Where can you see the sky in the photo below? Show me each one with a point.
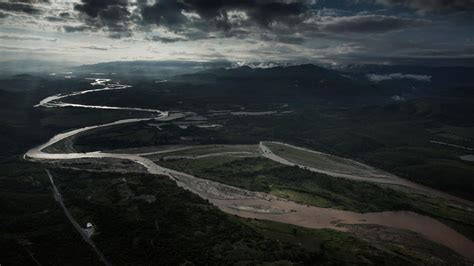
(333, 32)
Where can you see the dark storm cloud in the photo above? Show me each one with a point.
(93, 8)
(166, 13)
(335, 30)
(279, 20)
(54, 19)
(76, 28)
(431, 5)
(283, 38)
(211, 16)
(64, 15)
(285, 21)
(111, 15)
(169, 12)
(165, 39)
(262, 13)
(371, 24)
(19, 7)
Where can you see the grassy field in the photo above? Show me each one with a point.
(356, 247)
(320, 190)
(260, 174)
(178, 227)
(396, 141)
(200, 150)
(318, 160)
(175, 226)
(172, 227)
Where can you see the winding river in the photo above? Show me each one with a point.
(245, 203)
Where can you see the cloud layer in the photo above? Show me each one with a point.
(432, 5)
(330, 31)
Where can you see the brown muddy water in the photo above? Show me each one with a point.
(314, 217)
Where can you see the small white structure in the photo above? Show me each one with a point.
(89, 230)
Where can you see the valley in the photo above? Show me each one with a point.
(250, 173)
(243, 133)
(259, 205)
